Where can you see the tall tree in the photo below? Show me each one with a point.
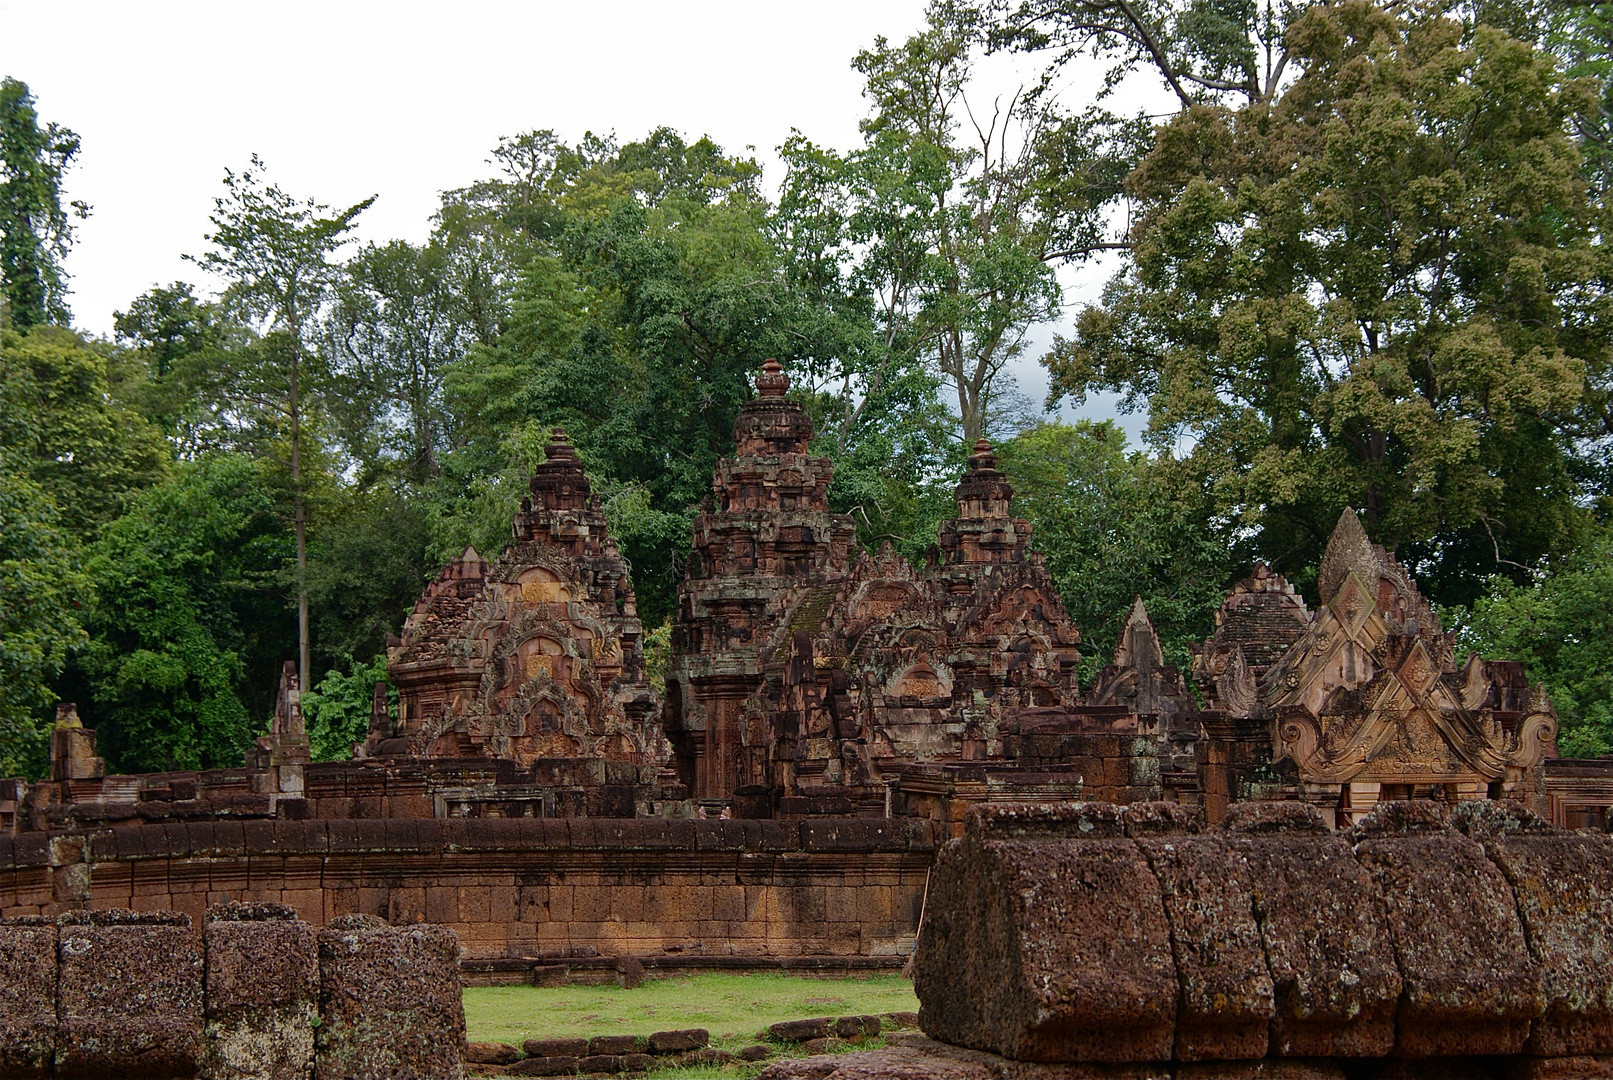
(44, 595)
(1229, 51)
(951, 218)
(1113, 524)
(397, 324)
(277, 254)
(36, 230)
(1359, 295)
(70, 412)
(183, 631)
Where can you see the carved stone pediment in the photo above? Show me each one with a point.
(1370, 692)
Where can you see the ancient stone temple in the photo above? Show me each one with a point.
(798, 672)
(1365, 702)
(765, 540)
(538, 655)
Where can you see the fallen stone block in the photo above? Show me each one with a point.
(677, 1042)
(637, 1063)
(1563, 883)
(262, 998)
(555, 1047)
(600, 1063)
(1226, 992)
(1471, 988)
(755, 1052)
(830, 1045)
(129, 994)
(27, 997)
(613, 1044)
(1043, 940)
(389, 1003)
(491, 1053)
(1334, 980)
(800, 1031)
(852, 1028)
(899, 1020)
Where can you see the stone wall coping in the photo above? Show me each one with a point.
(429, 836)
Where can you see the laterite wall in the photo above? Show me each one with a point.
(515, 887)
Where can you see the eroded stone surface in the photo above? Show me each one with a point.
(1047, 949)
(130, 995)
(1563, 883)
(1471, 988)
(27, 998)
(1331, 960)
(1226, 990)
(389, 1002)
(262, 994)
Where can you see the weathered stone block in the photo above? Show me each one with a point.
(1226, 992)
(572, 1048)
(129, 995)
(1471, 988)
(675, 1042)
(613, 1044)
(1563, 883)
(1331, 960)
(389, 1001)
(491, 1053)
(1045, 948)
(27, 997)
(262, 996)
(800, 1031)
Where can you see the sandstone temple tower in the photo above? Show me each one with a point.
(766, 539)
(803, 679)
(537, 655)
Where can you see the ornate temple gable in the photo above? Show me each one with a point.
(1139, 678)
(538, 655)
(1261, 618)
(1370, 693)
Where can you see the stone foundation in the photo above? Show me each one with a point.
(516, 887)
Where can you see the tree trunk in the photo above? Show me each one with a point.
(299, 515)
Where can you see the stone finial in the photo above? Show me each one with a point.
(1139, 642)
(288, 718)
(67, 715)
(1347, 549)
(559, 447)
(772, 382)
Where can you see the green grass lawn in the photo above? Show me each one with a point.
(733, 1007)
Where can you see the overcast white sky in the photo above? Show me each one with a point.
(403, 100)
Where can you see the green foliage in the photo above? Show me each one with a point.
(68, 412)
(43, 593)
(1112, 526)
(1203, 50)
(35, 229)
(337, 711)
(185, 580)
(657, 652)
(1360, 295)
(366, 568)
(1561, 627)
